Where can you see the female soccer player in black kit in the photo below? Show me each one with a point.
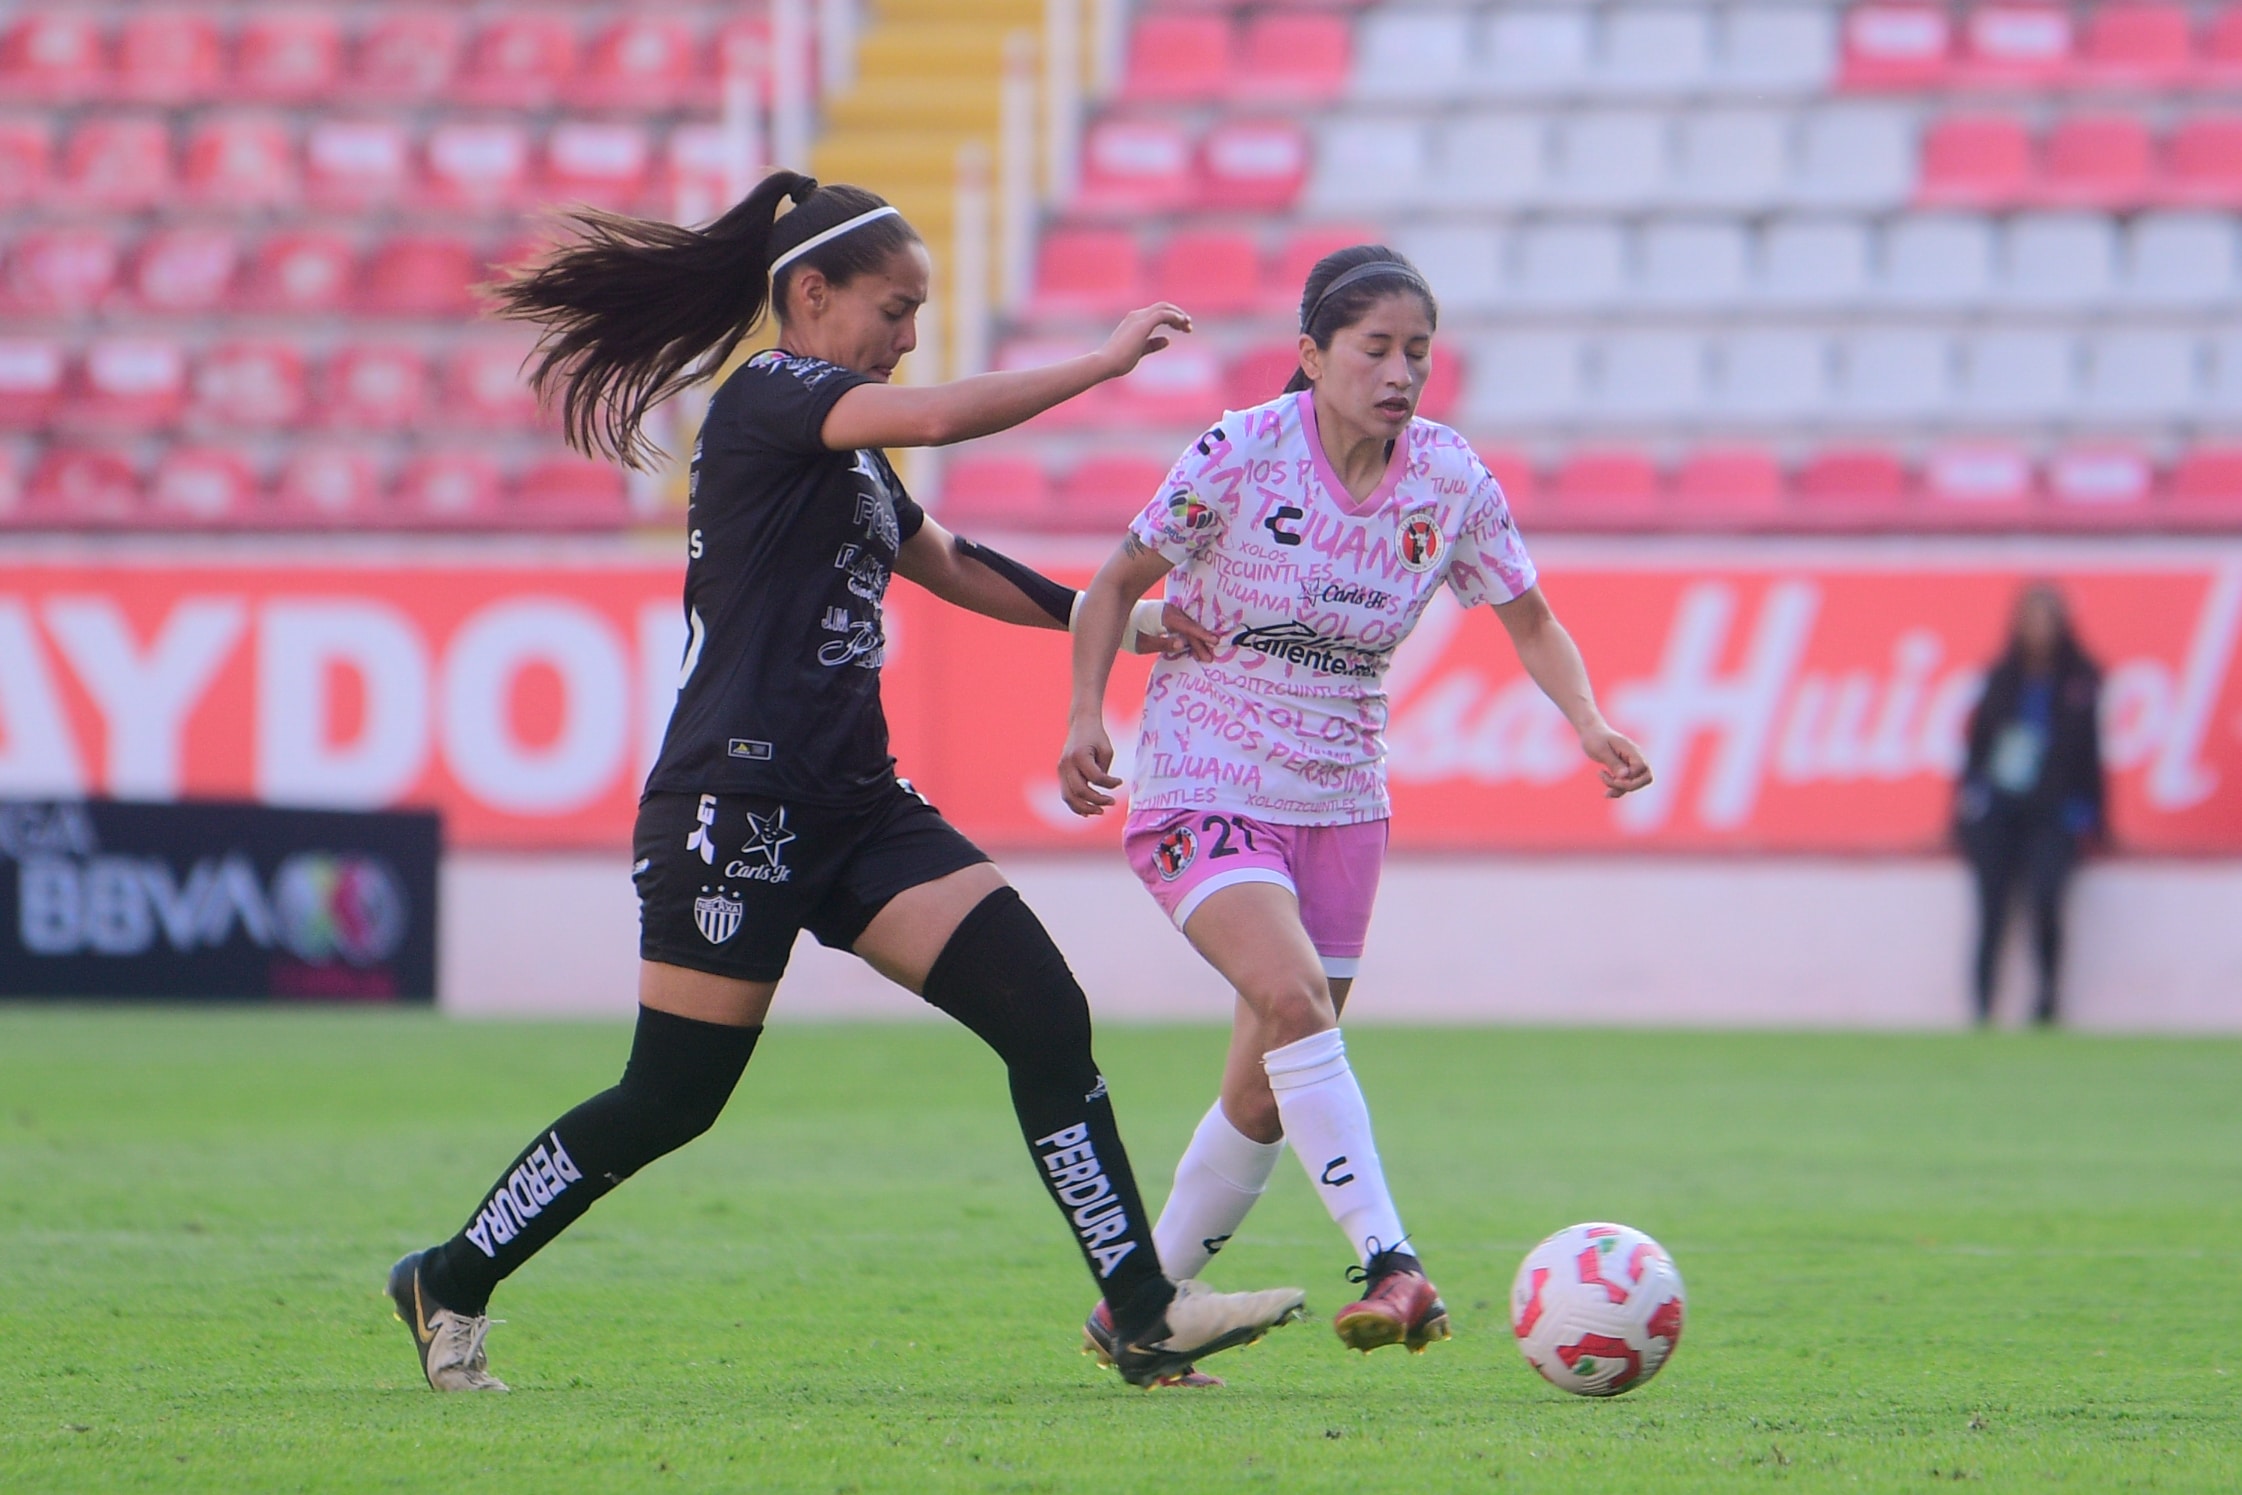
(774, 806)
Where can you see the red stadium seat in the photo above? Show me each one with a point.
(1256, 165)
(203, 485)
(996, 491)
(449, 488)
(1293, 56)
(1514, 471)
(1103, 493)
(74, 485)
(118, 163)
(375, 387)
(54, 56)
(407, 53)
(1088, 272)
(481, 166)
(2143, 44)
(2095, 486)
(1134, 166)
(31, 382)
(169, 55)
(129, 384)
(1260, 374)
(185, 269)
(1857, 482)
(328, 485)
(2203, 162)
(1180, 57)
(569, 491)
(641, 62)
(1976, 161)
(301, 273)
(250, 386)
(1444, 386)
(2207, 485)
(1208, 272)
(352, 164)
(288, 56)
(2220, 64)
(1978, 485)
(1902, 46)
(26, 157)
(241, 161)
(486, 386)
(2009, 45)
(422, 275)
(62, 269)
(2097, 161)
(603, 164)
(1288, 272)
(521, 60)
(1606, 486)
(1179, 386)
(1727, 485)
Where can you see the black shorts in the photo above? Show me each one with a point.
(726, 881)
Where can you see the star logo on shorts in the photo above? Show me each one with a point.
(771, 835)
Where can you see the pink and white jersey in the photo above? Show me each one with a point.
(1311, 593)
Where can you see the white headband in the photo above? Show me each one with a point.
(830, 234)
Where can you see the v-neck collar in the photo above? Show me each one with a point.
(1397, 464)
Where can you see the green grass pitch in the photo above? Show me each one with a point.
(2008, 1260)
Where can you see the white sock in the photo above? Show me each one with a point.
(1328, 1124)
(1222, 1173)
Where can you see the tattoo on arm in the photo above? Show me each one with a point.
(1134, 548)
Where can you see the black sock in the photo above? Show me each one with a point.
(680, 1074)
(1001, 976)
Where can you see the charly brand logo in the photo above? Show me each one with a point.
(1421, 543)
(762, 858)
(1296, 643)
(1177, 850)
(701, 840)
(337, 907)
(717, 915)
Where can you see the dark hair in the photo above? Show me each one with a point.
(635, 310)
(1323, 317)
(2070, 654)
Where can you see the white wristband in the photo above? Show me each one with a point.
(1144, 621)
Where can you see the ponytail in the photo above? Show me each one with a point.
(635, 310)
(1343, 287)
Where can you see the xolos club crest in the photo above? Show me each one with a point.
(717, 915)
(1177, 850)
(1420, 544)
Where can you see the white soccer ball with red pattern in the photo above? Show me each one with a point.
(1597, 1309)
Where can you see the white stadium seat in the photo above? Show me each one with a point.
(2222, 389)
(1534, 53)
(1611, 160)
(1492, 161)
(1692, 263)
(1463, 262)
(1896, 373)
(1731, 158)
(1413, 54)
(1855, 156)
(1650, 376)
(2141, 374)
(1771, 49)
(1654, 50)
(1815, 262)
(2059, 260)
(2183, 259)
(1366, 161)
(1775, 374)
(1570, 265)
(2023, 374)
(1937, 260)
(1525, 376)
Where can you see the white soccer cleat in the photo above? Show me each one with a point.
(450, 1344)
(1201, 1322)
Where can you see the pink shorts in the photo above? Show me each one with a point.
(1182, 856)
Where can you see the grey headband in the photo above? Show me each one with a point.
(1394, 268)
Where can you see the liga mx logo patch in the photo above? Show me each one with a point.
(1189, 510)
(717, 916)
(1177, 850)
(1421, 543)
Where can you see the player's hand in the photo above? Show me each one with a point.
(1141, 332)
(1623, 765)
(1180, 635)
(1086, 768)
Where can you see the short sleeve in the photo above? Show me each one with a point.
(779, 403)
(1490, 563)
(1185, 517)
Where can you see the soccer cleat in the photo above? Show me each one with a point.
(1099, 1339)
(1200, 1322)
(1400, 1306)
(450, 1344)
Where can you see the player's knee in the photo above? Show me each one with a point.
(1001, 976)
(1289, 1005)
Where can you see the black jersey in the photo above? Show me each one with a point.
(789, 554)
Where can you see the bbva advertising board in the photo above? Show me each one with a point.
(219, 901)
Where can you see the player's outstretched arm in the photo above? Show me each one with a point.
(1086, 764)
(890, 415)
(1553, 660)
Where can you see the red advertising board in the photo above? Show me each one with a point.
(1790, 699)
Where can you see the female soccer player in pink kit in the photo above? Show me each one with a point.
(1308, 534)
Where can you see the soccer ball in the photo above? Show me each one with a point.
(1597, 1309)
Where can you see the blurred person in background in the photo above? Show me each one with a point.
(2030, 800)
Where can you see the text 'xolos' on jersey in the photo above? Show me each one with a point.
(1311, 593)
